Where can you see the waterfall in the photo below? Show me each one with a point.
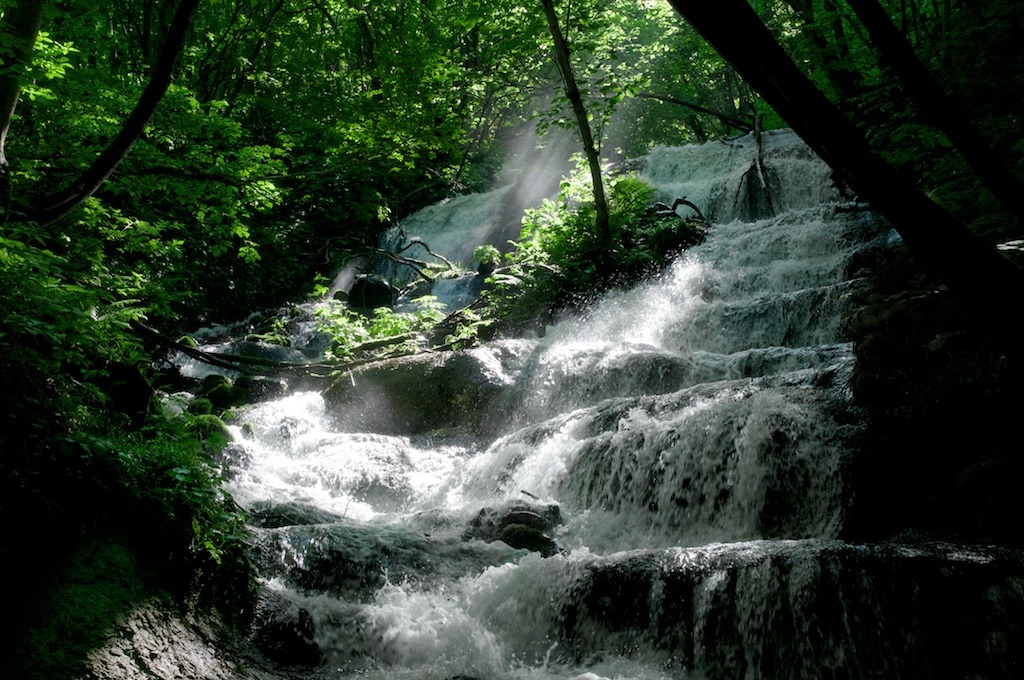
(653, 489)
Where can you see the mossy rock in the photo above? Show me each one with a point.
(209, 427)
(221, 392)
(200, 406)
(86, 595)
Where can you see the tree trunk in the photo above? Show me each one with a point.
(833, 58)
(572, 91)
(990, 286)
(46, 209)
(940, 108)
(23, 21)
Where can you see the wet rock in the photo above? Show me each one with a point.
(274, 515)
(211, 428)
(421, 394)
(370, 292)
(220, 392)
(521, 526)
(233, 457)
(259, 388)
(354, 562)
(528, 538)
(285, 633)
(153, 643)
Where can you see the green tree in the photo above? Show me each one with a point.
(590, 150)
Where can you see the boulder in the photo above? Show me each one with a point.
(521, 525)
(423, 394)
(154, 641)
(274, 515)
(371, 291)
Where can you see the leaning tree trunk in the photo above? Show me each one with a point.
(990, 285)
(572, 91)
(939, 107)
(46, 209)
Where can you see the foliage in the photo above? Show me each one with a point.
(555, 262)
(469, 326)
(487, 255)
(628, 50)
(972, 49)
(349, 329)
(170, 467)
(83, 444)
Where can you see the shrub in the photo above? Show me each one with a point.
(555, 260)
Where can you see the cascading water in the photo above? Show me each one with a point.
(674, 457)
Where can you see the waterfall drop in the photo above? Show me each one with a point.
(653, 489)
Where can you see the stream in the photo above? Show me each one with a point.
(670, 465)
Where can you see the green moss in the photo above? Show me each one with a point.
(211, 429)
(200, 405)
(80, 604)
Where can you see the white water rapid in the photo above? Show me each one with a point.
(675, 457)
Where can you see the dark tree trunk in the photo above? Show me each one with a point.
(832, 57)
(572, 91)
(367, 46)
(46, 209)
(940, 108)
(989, 284)
(22, 23)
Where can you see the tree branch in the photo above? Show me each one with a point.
(732, 121)
(46, 209)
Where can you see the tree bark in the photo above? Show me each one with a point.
(833, 57)
(939, 107)
(23, 21)
(572, 91)
(988, 283)
(47, 209)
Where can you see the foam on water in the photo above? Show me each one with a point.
(296, 456)
(693, 432)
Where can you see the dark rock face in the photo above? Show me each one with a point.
(370, 292)
(286, 633)
(420, 394)
(797, 610)
(521, 526)
(939, 456)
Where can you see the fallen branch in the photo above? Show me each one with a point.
(417, 266)
(663, 209)
(263, 366)
(417, 241)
